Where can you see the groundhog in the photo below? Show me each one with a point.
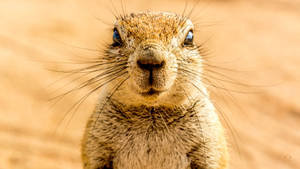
(154, 111)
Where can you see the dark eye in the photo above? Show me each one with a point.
(189, 39)
(117, 38)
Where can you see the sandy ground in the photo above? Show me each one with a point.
(258, 40)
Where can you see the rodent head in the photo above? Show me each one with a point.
(161, 56)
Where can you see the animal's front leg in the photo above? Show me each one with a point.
(96, 157)
(96, 153)
(209, 156)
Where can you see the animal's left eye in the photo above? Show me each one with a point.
(117, 38)
(189, 39)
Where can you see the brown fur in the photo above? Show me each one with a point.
(175, 128)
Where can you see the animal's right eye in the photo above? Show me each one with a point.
(189, 39)
(117, 38)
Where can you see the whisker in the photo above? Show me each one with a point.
(91, 67)
(75, 106)
(194, 7)
(115, 10)
(221, 112)
(185, 7)
(117, 86)
(85, 71)
(86, 83)
(123, 8)
(208, 81)
(83, 74)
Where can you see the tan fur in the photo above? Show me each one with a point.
(176, 128)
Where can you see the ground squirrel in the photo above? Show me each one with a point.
(154, 111)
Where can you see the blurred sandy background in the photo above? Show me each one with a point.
(259, 39)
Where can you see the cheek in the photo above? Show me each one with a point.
(132, 65)
(172, 61)
(137, 76)
(192, 56)
(169, 74)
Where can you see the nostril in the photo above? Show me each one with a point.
(162, 64)
(150, 66)
(142, 65)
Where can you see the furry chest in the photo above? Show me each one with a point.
(150, 138)
(151, 152)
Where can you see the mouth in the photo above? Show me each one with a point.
(151, 92)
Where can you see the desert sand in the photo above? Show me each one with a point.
(254, 43)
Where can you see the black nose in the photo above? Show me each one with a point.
(151, 59)
(149, 65)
